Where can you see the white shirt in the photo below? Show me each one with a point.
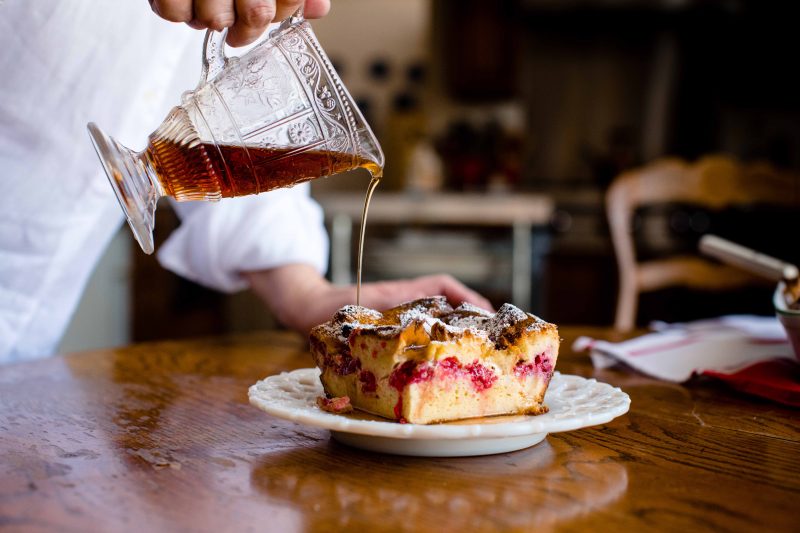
(64, 63)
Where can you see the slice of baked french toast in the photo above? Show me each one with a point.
(425, 362)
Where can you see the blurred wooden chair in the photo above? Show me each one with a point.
(713, 182)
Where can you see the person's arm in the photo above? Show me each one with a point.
(246, 20)
(275, 243)
(301, 298)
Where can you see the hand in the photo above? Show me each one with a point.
(246, 19)
(300, 298)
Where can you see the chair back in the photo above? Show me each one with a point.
(714, 182)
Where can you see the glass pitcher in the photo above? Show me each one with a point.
(274, 117)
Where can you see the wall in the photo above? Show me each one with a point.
(357, 32)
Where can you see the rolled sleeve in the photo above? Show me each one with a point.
(216, 242)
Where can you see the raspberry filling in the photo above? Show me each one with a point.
(411, 372)
(335, 405)
(368, 382)
(541, 365)
(482, 376)
(406, 374)
(449, 367)
(345, 364)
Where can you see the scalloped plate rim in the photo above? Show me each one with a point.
(310, 414)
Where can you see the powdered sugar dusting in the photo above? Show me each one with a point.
(347, 319)
(360, 312)
(415, 314)
(428, 322)
(506, 316)
(472, 322)
(507, 321)
(467, 307)
(432, 313)
(537, 324)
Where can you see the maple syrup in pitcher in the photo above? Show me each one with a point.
(207, 171)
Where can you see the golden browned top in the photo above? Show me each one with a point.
(438, 319)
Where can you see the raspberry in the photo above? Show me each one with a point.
(367, 379)
(482, 377)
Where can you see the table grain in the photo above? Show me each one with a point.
(161, 437)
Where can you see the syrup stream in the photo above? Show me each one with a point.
(376, 179)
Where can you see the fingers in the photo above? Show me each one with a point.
(286, 8)
(315, 9)
(214, 14)
(391, 293)
(252, 18)
(456, 292)
(173, 10)
(247, 19)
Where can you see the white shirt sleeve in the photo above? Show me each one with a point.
(57, 211)
(217, 241)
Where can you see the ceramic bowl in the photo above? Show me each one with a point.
(790, 318)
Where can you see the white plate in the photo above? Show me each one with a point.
(574, 403)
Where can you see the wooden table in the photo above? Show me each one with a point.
(161, 437)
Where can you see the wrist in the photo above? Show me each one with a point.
(290, 292)
(296, 309)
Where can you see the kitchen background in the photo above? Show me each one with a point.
(513, 98)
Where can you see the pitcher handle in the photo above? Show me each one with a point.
(214, 58)
(296, 18)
